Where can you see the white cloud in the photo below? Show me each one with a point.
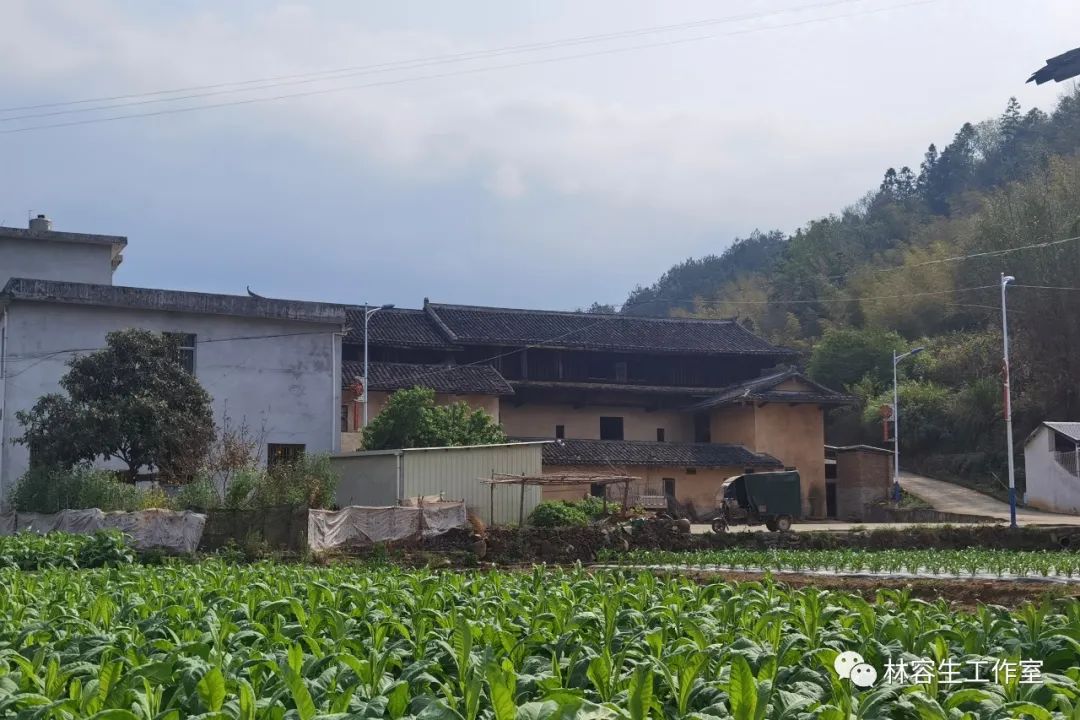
(763, 129)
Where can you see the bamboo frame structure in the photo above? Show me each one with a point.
(556, 480)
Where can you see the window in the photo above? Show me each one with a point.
(185, 345)
(344, 418)
(669, 487)
(659, 434)
(597, 490)
(281, 453)
(611, 428)
(691, 471)
(620, 371)
(560, 432)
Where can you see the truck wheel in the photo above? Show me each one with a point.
(719, 524)
(770, 525)
(783, 523)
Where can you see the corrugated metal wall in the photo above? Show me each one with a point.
(455, 473)
(369, 480)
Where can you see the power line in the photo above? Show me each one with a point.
(959, 258)
(468, 71)
(1047, 287)
(355, 70)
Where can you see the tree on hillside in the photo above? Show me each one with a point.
(845, 356)
(411, 418)
(132, 401)
(682, 285)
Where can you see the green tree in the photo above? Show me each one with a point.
(411, 418)
(131, 401)
(844, 356)
(925, 422)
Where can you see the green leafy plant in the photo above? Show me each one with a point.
(558, 513)
(283, 642)
(49, 490)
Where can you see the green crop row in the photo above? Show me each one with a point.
(920, 562)
(215, 640)
(30, 551)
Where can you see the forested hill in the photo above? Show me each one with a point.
(849, 288)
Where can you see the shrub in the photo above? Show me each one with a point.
(558, 513)
(49, 490)
(199, 494)
(593, 507)
(308, 481)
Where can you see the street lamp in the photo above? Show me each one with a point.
(896, 419)
(1005, 280)
(367, 316)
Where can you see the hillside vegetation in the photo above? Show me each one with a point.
(884, 274)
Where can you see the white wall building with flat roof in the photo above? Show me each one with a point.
(273, 365)
(1052, 467)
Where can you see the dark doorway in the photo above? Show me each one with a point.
(702, 432)
(830, 499)
(669, 493)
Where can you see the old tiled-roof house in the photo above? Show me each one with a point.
(681, 403)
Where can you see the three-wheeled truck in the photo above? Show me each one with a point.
(772, 498)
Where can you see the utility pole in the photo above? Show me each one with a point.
(896, 419)
(1005, 280)
(367, 316)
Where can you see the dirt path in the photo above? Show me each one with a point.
(948, 497)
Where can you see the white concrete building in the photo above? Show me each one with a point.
(1052, 467)
(271, 364)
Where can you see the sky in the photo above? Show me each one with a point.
(525, 154)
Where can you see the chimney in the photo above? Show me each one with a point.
(40, 224)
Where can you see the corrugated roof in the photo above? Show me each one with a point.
(396, 327)
(467, 324)
(762, 389)
(1070, 430)
(448, 379)
(643, 453)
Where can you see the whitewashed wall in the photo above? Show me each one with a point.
(1049, 486)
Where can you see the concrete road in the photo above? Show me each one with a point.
(943, 496)
(948, 497)
(826, 526)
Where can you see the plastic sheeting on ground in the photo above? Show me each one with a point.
(357, 526)
(166, 529)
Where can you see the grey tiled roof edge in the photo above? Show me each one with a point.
(52, 291)
(448, 379)
(59, 236)
(573, 452)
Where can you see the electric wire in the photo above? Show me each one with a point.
(436, 76)
(410, 64)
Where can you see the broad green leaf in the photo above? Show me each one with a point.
(247, 700)
(305, 706)
(640, 698)
(211, 689)
(1021, 709)
(742, 689)
(502, 684)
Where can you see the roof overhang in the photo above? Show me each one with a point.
(117, 296)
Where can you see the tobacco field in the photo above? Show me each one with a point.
(950, 563)
(218, 640)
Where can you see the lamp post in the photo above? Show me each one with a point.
(1005, 280)
(896, 419)
(367, 316)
